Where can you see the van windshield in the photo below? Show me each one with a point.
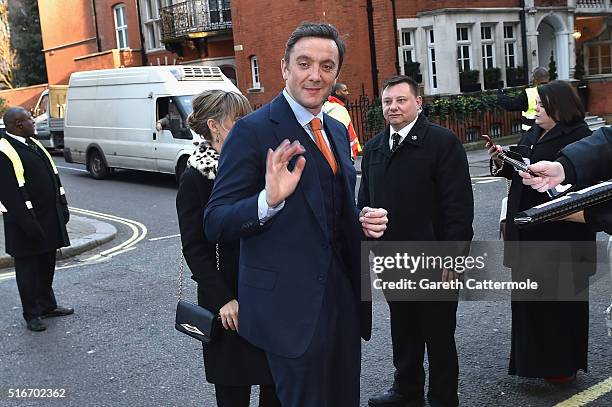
(184, 104)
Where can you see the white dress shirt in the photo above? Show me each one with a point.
(304, 117)
(403, 132)
(18, 138)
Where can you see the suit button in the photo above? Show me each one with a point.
(321, 278)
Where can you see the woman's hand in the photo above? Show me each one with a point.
(229, 315)
(494, 150)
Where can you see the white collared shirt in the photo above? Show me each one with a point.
(18, 138)
(403, 132)
(304, 117)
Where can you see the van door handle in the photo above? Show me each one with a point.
(154, 136)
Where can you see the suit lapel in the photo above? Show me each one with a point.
(287, 127)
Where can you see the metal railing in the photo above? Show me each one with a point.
(195, 16)
(468, 127)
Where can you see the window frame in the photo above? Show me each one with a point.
(255, 72)
(431, 59)
(121, 31)
(407, 48)
(462, 46)
(487, 46)
(510, 41)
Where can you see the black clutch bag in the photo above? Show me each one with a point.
(192, 319)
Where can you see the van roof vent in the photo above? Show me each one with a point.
(202, 72)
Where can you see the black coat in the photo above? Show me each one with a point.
(26, 235)
(522, 197)
(229, 359)
(548, 338)
(425, 185)
(590, 160)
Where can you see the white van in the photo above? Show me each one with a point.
(111, 117)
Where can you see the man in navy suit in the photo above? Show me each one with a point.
(285, 187)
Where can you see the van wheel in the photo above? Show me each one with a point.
(96, 165)
(180, 168)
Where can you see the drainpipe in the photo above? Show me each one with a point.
(143, 54)
(370, 11)
(524, 40)
(95, 21)
(397, 67)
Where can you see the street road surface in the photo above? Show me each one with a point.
(121, 349)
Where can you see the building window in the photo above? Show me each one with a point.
(220, 11)
(431, 59)
(407, 51)
(464, 47)
(510, 46)
(255, 72)
(599, 60)
(151, 22)
(487, 38)
(121, 26)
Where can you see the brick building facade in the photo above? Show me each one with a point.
(84, 35)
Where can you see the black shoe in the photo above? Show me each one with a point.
(391, 398)
(58, 312)
(36, 325)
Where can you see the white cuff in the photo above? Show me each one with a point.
(264, 212)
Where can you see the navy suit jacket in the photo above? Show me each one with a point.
(283, 263)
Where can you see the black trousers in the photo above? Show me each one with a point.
(240, 396)
(34, 275)
(415, 325)
(327, 374)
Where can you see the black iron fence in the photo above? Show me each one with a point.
(195, 16)
(368, 121)
(366, 115)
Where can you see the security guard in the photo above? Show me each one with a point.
(526, 100)
(36, 217)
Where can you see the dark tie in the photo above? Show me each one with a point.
(396, 141)
(31, 144)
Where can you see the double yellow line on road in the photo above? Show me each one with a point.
(139, 232)
(589, 395)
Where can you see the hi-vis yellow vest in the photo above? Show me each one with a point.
(530, 113)
(13, 156)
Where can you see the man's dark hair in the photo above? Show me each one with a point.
(10, 117)
(540, 76)
(317, 30)
(561, 102)
(337, 86)
(396, 80)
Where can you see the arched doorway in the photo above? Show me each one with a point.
(553, 39)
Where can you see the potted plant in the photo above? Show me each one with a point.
(515, 76)
(412, 69)
(468, 81)
(583, 86)
(492, 78)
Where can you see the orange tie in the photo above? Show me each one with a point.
(315, 125)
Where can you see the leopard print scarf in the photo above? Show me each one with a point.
(204, 159)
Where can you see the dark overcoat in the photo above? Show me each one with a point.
(28, 235)
(229, 359)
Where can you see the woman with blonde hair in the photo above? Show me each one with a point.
(231, 363)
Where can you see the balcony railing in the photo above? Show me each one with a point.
(594, 6)
(193, 18)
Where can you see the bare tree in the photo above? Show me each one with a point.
(8, 57)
